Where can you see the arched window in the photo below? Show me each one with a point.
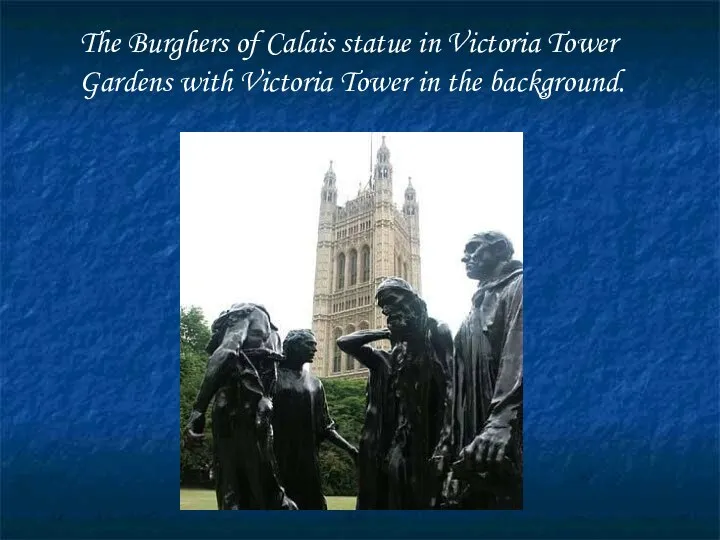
(337, 356)
(353, 267)
(349, 360)
(341, 271)
(365, 264)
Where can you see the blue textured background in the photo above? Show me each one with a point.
(621, 256)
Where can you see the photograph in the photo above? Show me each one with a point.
(351, 321)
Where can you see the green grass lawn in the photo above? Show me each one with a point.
(201, 499)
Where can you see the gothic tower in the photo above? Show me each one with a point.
(359, 245)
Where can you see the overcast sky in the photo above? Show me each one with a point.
(249, 212)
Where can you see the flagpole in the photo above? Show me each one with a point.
(371, 157)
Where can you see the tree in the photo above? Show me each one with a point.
(346, 401)
(194, 337)
(194, 330)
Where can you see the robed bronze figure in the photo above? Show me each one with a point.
(485, 430)
(241, 375)
(301, 422)
(408, 396)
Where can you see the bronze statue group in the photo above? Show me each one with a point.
(443, 421)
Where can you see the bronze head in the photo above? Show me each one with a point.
(406, 312)
(485, 253)
(252, 318)
(299, 347)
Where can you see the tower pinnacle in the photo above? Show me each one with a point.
(329, 190)
(410, 207)
(382, 176)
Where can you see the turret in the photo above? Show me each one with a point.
(410, 208)
(383, 172)
(329, 189)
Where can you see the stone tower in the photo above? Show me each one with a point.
(359, 245)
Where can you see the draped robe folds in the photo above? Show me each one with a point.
(375, 439)
(301, 421)
(420, 385)
(246, 476)
(487, 382)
